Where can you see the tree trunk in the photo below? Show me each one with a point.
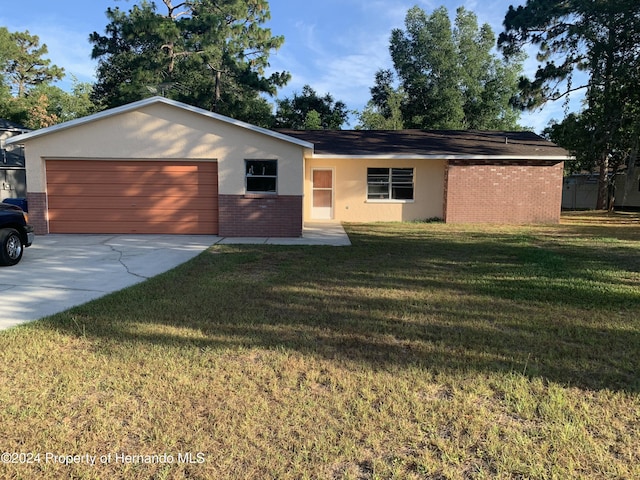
(217, 92)
(630, 177)
(611, 198)
(603, 183)
(172, 57)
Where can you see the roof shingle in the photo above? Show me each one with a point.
(428, 143)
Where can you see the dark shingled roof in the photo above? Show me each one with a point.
(11, 156)
(428, 142)
(7, 125)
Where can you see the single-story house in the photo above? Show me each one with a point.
(12, 169)
(160, 166)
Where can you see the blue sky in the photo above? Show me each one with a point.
(336, 46)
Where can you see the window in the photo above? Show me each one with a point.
(390, 183)
(261, 176)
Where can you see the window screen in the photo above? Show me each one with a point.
(390, 183)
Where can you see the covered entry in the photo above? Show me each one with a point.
(132, 196)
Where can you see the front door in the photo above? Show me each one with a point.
(322, 180)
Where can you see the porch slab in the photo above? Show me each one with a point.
(313, 233)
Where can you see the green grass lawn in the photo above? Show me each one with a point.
(425, 350)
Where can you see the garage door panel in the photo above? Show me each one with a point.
(184, 178)
(102, 196)
(135, 190)
(128, 165)
(116, 202)
(133, 215)
(132, 227)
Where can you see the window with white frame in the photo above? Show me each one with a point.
(390, 184)
(261, 176)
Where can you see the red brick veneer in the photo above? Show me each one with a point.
(37, 205)
(260, 215)
(515, 192)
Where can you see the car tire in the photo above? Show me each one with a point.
(11, 247)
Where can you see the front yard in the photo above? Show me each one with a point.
(425, 350)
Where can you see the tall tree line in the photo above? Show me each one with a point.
(447, 77)
(214, 53)
(600, 39)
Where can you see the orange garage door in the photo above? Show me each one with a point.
(111, 196)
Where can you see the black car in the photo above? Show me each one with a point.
(15, 233)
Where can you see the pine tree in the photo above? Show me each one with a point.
(208, 53)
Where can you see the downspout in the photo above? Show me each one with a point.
(445, 192)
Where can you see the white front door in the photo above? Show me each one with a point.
(322, 193)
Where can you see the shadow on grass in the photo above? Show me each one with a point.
(404, 295)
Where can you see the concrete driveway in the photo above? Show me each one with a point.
(61, 271)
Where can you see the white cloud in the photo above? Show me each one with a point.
(307, 37)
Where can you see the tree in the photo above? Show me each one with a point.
(576, 135)
(208, 53)
(7, 48)
(68, 105)
(5, 53)
(47, 105)
(449, 77)
(383, 111)
(24, 65)
(488, 84)
(313, 121)
(599, 39)
(425, 58)
(297, 112)
(26, 94)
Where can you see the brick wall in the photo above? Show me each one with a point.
(260, 215)
(37, 203)
(514, 192)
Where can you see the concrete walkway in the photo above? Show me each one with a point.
(316, 233)
(61, 271)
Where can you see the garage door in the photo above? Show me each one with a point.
(111, 196)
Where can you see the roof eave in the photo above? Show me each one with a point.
(442, 157)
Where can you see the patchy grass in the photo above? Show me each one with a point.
(426, 350)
